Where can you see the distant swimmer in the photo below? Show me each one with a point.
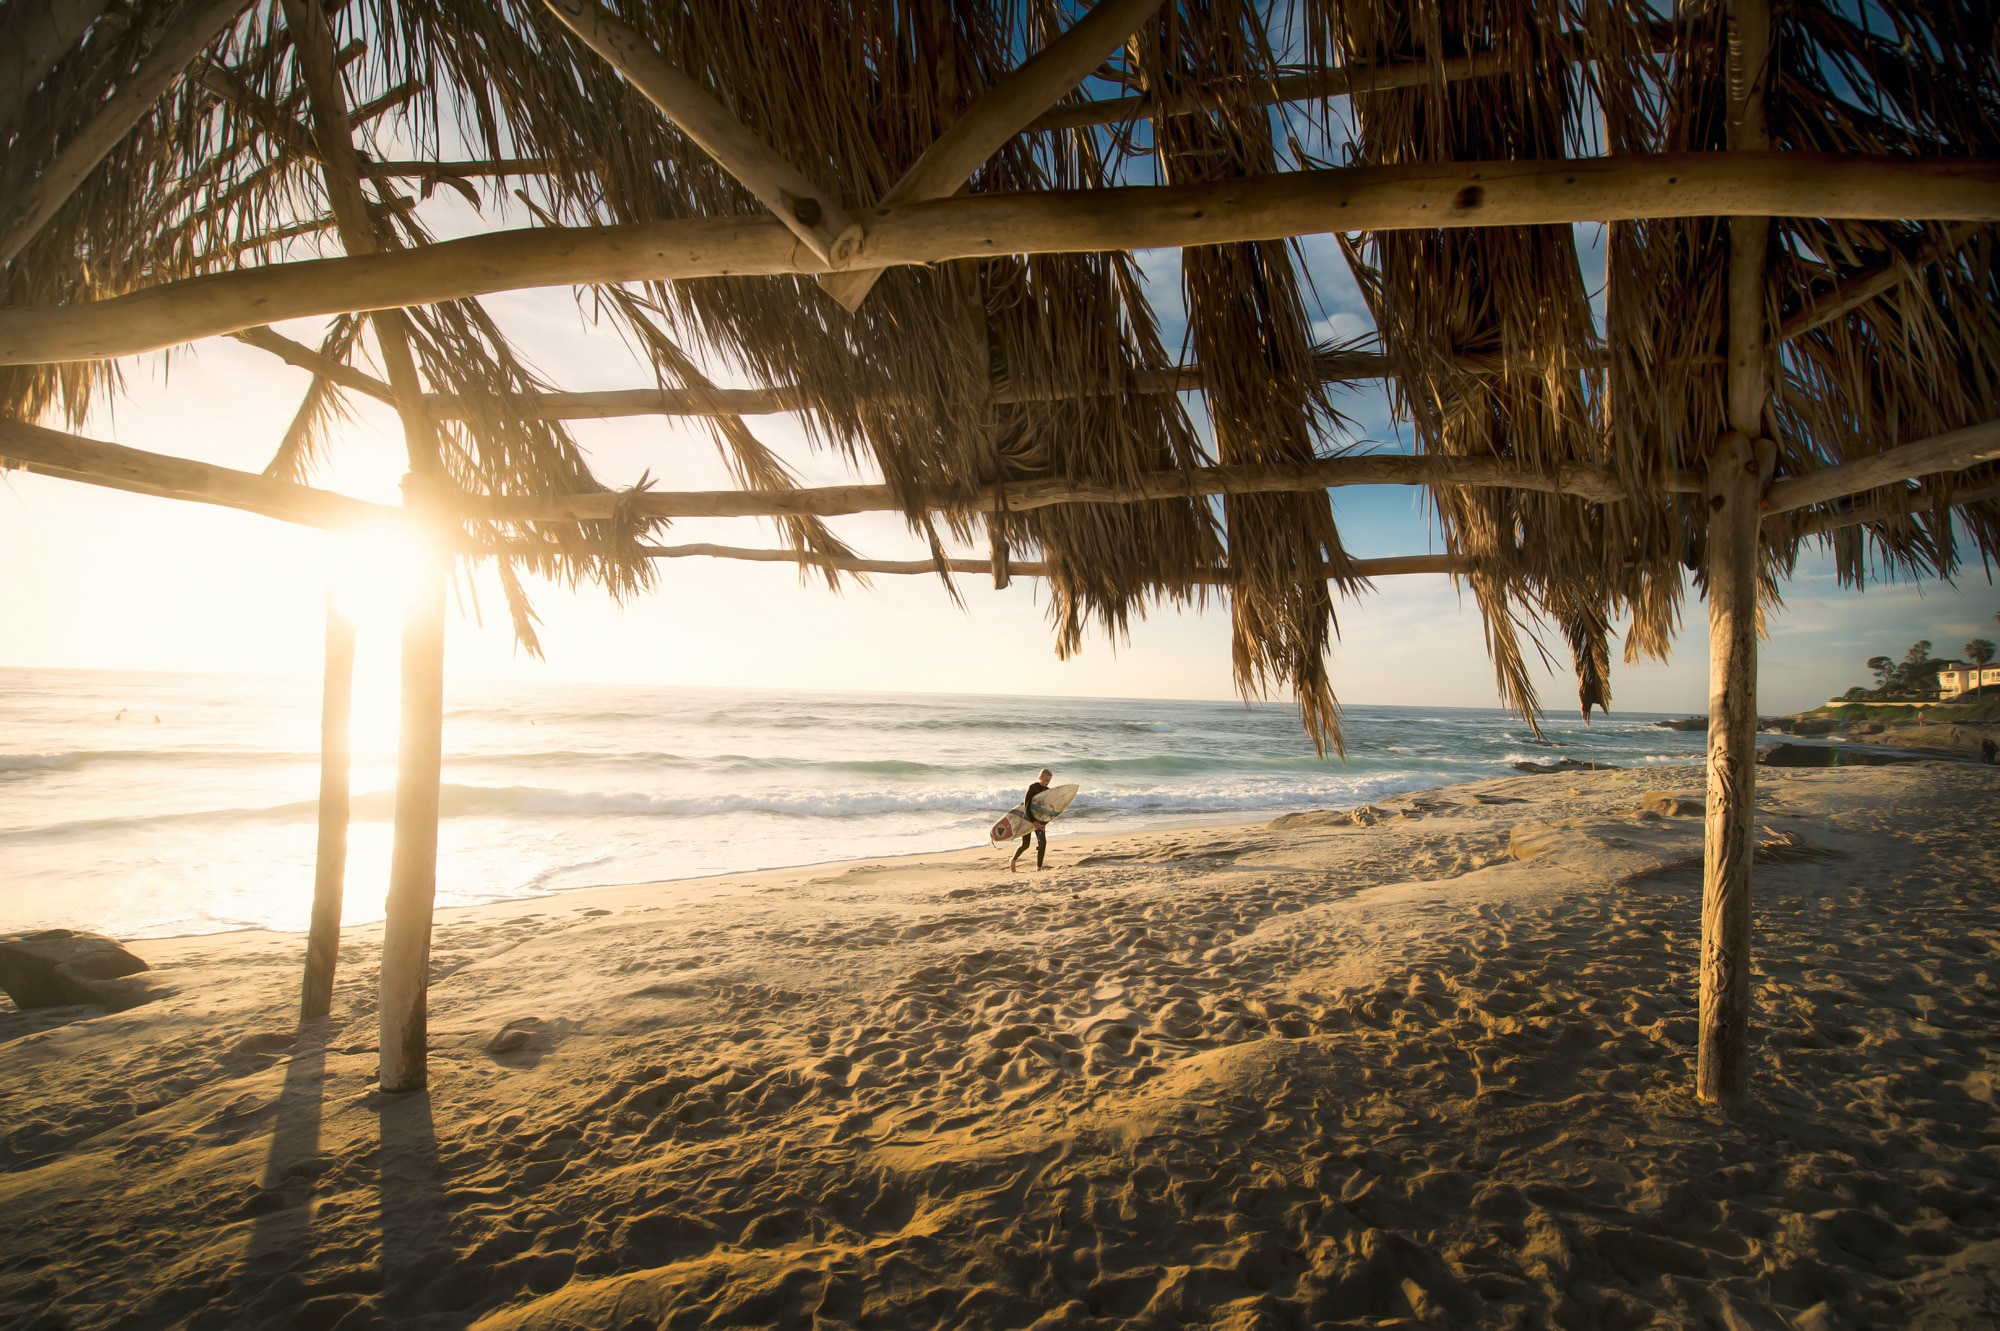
(1040, 836)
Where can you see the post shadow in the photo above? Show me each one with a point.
(281, 1236)
(416, 1245)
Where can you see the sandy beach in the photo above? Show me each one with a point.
(1428, 1062)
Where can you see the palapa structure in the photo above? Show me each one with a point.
(912, 222)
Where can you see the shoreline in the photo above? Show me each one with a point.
(904, 858)
(1427, 1065)
(622, 891)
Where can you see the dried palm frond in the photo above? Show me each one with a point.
(1491, 333)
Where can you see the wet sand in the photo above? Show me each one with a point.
(1429, 1064)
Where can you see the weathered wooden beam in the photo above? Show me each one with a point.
(330, 857)
(813, 214)
(384, 104)
(1954, 450)
(1858, 290)
(1839, 517)
(1393, 566)
(304, 357)
(1007, 109)
(72, 457)
(193, 26)
(1593, 483)
(1738, 469)
(1270, 207)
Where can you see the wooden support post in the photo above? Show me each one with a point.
(330, 867)
(996, 540)
(1736, 479)
(406, 927)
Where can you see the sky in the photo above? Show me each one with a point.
(98, 579)
(93, 578)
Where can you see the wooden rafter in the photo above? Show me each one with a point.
(813, 214)
(1595, 484)
(1392, 566)
(1838, 517)
(1858, 290)
(997, 117)
(1271, 207)
(93, 462)
(192, 27)
(72, 457)
(1952, 451)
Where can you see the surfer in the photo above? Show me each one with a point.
(1040, 836)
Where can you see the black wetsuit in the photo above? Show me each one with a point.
(1040, 836)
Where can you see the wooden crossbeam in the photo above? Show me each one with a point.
(1393, 566)
(1269, 207)
(1954, 450)
(73, 458)
(997, 117)
(93, 462)
(813, 214)
(1593, 483)
(1838, 518)
(191, 27)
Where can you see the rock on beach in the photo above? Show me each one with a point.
(59, 967)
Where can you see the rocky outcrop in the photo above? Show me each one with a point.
(1830, 755)
(1807, 726)
(58, 967)
(1563, 765)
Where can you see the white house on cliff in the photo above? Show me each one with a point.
(1959, 677)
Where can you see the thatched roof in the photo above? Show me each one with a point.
(962, 378)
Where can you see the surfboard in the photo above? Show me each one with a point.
(1049, 804)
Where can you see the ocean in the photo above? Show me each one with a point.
(150, 805)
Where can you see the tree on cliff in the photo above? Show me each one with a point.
(1979, 651)
(1918, 671)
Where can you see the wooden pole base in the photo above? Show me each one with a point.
(406, 930)
(330, 871)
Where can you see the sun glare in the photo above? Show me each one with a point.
(373, 575)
